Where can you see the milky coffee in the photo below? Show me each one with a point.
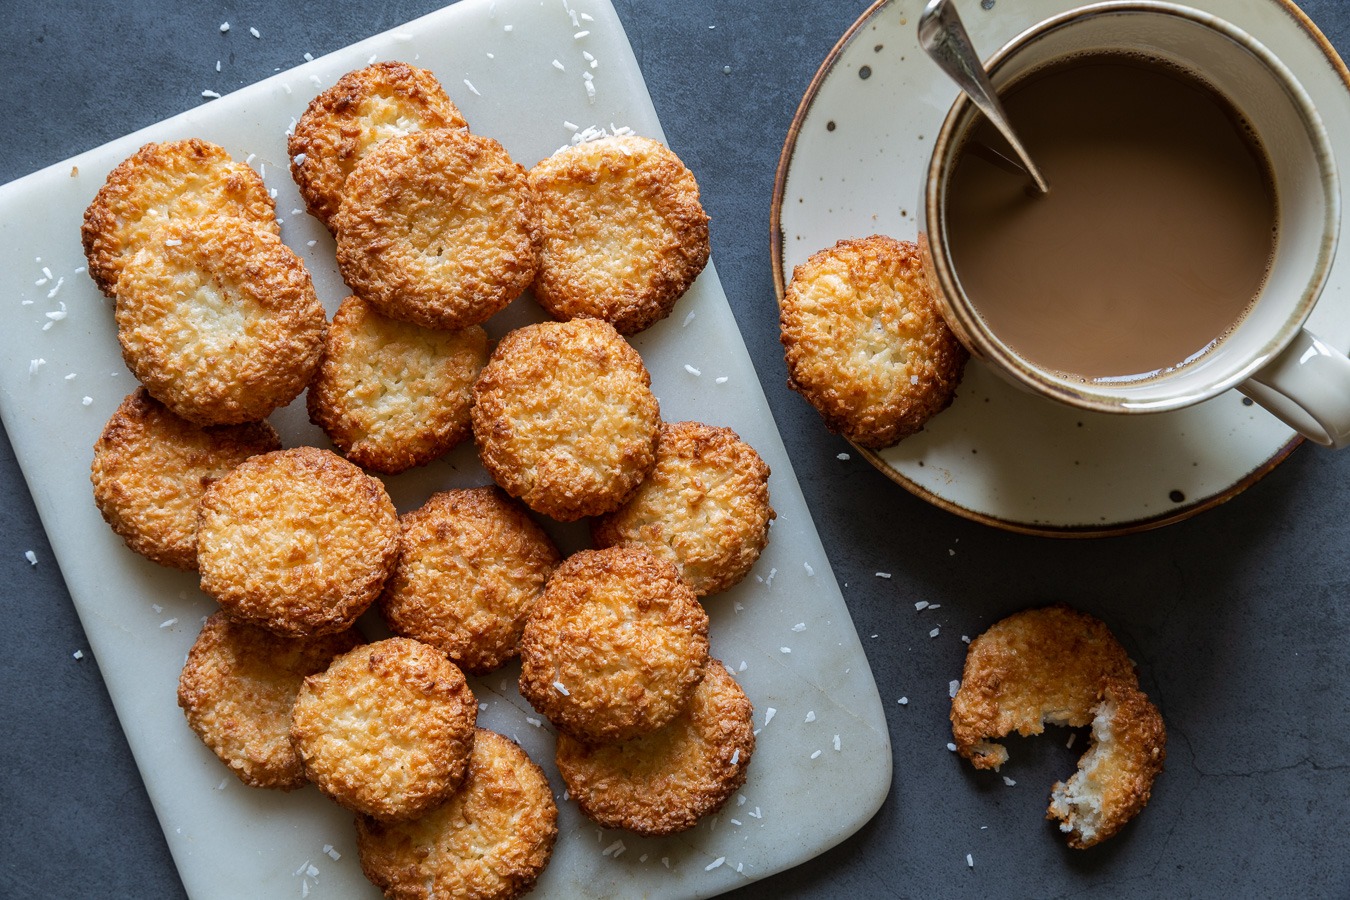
(1155, 237)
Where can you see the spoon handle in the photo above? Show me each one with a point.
(943, 36)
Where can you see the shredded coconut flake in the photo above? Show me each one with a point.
(78, 654)
(843, 456)
(815, 754)
(970, 861)
(561, 688)
(883, 574)
(1008, 781)
(31, 557)
(951, 746)
(559, 66)
(720, 379)
(167, 622)
(469, 84)
(211, 95)
(579, 35)
(714, 864)
(903, 701)
(920, 605)
(800, 626)
(965, 639)
(934, 632)
(224, 27)
(614, 849)
(836, 743)
(86, 401)
(785, 649)
(769, 714)
(953, 687)
(52, 293)
(254, 32)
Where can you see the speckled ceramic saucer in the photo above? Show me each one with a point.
(853, 165)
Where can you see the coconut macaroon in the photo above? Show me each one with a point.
(342, 124)
(237, 689)
(435, 228)
(1059, 666)
(564, 418)
(865, 343)
(392, 395)
(219, 320)
(490, 841)
(705, 507)
(299, 541)
(666, 781)
(471, 566)
(1115, 777)
(386, 730)
(614, 647)
(151, 468)
(175, 181)
(624, 234)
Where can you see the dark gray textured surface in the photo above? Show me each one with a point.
(1238, 618)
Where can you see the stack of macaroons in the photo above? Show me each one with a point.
(215, 315)
(653, 734)
(437, 230)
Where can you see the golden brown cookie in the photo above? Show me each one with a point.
(564, 418)
(237, 689)
(299, 541)
(392, 395)
(705, 507)
(614, 647)
(179, 181)
(219, 320)
(386, 730)
(666, 781)
(1060, 666)
(365, 107)
(471, 567)
(151, 468)
(865, 343)
(624, 234)
(1035, 667)
(490, 841)
(435, 228)
(1115, 776)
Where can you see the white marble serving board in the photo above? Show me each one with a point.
(785, 632)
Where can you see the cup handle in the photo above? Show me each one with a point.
(1307, 386)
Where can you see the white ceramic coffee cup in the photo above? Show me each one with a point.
(1269, 355)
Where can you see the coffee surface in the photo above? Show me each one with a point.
(1156, 234)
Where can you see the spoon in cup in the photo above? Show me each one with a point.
(944, 38)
